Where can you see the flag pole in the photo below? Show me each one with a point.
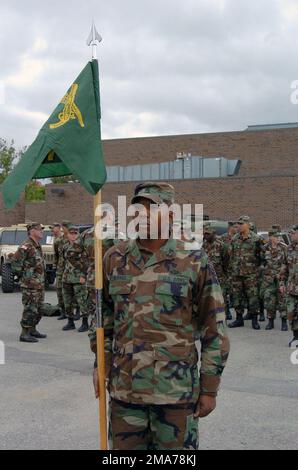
(92, 40)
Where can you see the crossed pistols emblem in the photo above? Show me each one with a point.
(70, 110)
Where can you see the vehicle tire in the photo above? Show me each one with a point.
(7, 279)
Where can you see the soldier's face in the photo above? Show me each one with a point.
(273, 239)
(209, 236)
(37, 233)
(152, 220)
(72, 236)
(243, 228)
(294, 237)
(56, 231)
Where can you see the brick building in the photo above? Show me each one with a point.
(266, 187)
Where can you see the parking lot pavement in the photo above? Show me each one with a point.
(47, 398)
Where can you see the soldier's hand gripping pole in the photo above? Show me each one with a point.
(100, 326)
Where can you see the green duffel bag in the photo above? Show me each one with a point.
(49, 310)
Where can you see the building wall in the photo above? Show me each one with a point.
(265, 188)
(271, 152)
(268, 200)
(15, 216)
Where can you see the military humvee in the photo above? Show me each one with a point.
(220, 226)
(10, 239)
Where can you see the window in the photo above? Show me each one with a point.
(8, 237)
(21, 236)
(46, 233)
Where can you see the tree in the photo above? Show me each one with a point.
(63, 179)
(8, 157)
(35, 191)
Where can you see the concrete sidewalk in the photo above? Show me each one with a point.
(47, 397)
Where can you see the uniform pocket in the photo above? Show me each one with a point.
(171, 296)
(174, 369)
(121, 373)
(120, 292)
(191, 435)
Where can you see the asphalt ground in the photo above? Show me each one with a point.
(47, 399)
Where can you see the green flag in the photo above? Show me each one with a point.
(69, 143)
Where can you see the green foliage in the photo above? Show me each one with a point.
(63, 179)
(8, 157)
(34, 191)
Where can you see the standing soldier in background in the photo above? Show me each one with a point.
(217, 252)
(227, 239)
(56, 232)
(157, 298)
(74, 280)
(289, 283)
(274, 255)
(245, 264)
(28, 263)
(248, 316)
(59, 243)
(87, 240)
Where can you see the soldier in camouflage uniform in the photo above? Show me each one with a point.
(87, 240)
(273, 258)
(74, 280)
(227, 239)
(158, 298)
(245, 253)
(289, 283)
(58, 245)
(28, 262)
(218, 254)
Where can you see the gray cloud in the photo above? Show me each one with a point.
(166, 67)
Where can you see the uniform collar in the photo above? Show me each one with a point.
(249, 235)
(167, 251)
(34, 242)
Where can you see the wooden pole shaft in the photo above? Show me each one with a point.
(100, 328)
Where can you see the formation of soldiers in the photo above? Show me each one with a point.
(158, 299)
(256, 274)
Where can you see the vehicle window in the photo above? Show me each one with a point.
(8, 237)
(21, 236)
(220, 230)
(47, 235)
(84, 227)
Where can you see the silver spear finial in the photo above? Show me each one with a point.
(94, 38)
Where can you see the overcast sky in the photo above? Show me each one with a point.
(166, 66)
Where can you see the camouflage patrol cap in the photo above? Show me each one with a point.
(66, 223)
(55, 224)
(244, 219)
(207, 228)
(276, 227)
(73, 228)
(232, 223)
(294, 228)
(32, 225)
(273, 232)
(157, 192)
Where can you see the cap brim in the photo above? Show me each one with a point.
(151, 197)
